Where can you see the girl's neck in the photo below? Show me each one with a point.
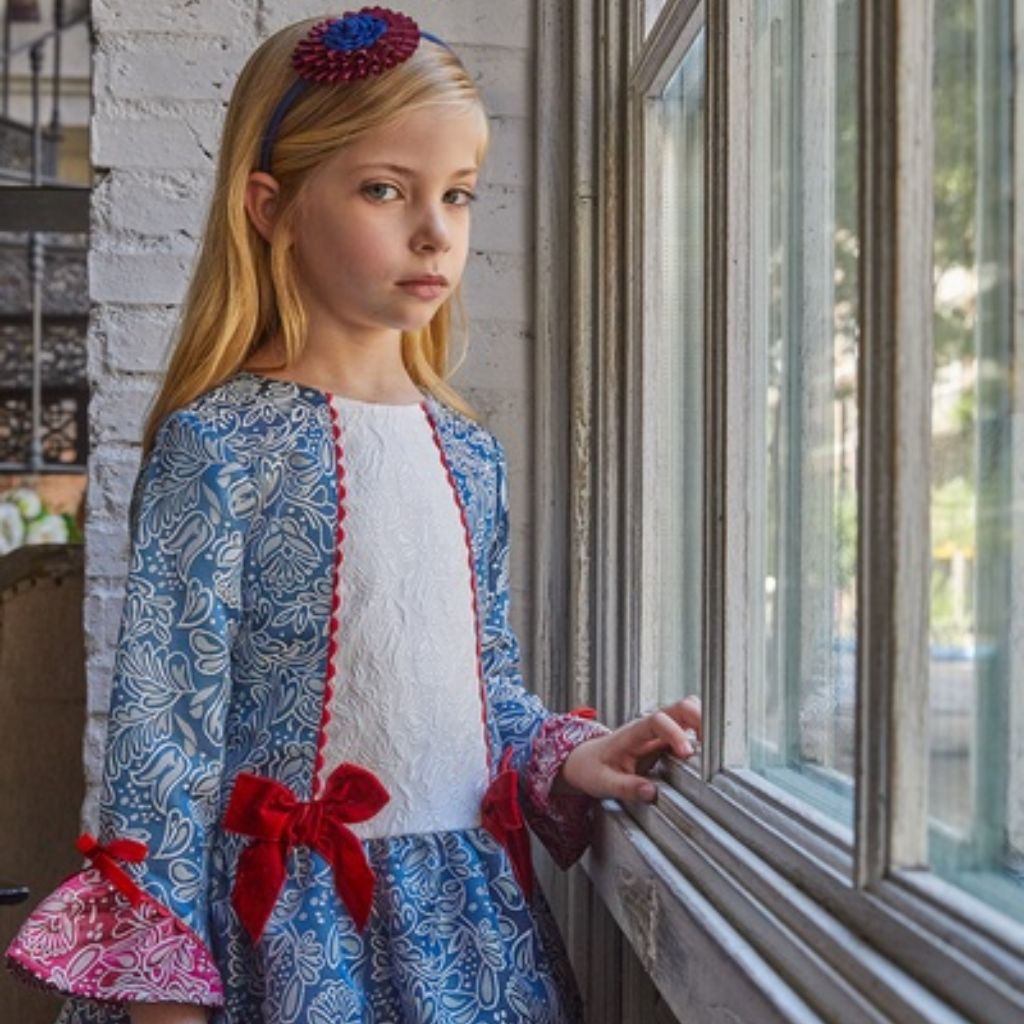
(391, 389)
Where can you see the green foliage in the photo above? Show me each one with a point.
(955, 177)
(846, 540)
(75, 535)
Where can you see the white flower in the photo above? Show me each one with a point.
(28, 502)
(12, 529)
(50, 529)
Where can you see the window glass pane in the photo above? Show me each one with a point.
(652, 8)
(976, 764)
(674, 333)
(804, 337)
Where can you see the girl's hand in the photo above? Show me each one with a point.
(615, 765)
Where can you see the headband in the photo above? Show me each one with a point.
(356, 45)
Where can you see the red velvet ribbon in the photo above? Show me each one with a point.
(502, 816)
(270, 813)
(105, 856)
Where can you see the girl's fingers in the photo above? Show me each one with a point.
(687, 712)
(625, 786)
(648, 746)
(635, 748)
(645, 764)
(661, 728)
(618, 782)
(646, 792)
(642, 743)
(647, 759)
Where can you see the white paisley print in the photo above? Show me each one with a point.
(223, 666)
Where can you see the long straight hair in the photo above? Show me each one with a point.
(243, 289)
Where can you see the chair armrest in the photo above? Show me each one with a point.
(12, 892)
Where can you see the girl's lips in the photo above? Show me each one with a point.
(422, 289)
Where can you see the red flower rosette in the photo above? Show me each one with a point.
(356, 45)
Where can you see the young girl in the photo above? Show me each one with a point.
(321, 758)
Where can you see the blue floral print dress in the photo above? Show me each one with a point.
(321, 759)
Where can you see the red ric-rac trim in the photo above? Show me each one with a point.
(472, 579)
(332, 642)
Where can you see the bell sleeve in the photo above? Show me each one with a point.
(538, 739)
(133, 924)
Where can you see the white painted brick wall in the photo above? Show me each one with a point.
(162, 75)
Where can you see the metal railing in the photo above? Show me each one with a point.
(34, 198)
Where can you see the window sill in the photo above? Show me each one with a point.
(695, 897)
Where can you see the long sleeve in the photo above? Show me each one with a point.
(540, 739)
(136, 927)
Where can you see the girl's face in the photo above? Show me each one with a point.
(384, 211)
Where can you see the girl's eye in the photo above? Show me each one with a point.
(377, 190)
(377, 185)
(467, 194)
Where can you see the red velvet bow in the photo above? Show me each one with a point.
(270, 812)
(502, 816)
(105, 857)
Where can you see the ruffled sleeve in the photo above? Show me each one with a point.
(88, 939)
(540, 739)
(135, 927)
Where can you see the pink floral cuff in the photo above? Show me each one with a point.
(562, 822)
(87, 938)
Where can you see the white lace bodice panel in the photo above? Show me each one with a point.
(406, 694)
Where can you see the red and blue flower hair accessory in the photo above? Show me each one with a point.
(356, 45)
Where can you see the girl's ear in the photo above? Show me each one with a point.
(261, 191)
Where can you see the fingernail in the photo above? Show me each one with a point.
(648, 793)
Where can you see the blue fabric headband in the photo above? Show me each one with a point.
(354, 46)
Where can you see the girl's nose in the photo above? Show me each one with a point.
(433, 231)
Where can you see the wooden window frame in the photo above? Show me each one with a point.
(725, 868)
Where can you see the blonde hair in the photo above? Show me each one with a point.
(243, 289)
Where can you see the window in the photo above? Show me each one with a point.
(674, 416)
(976, 735)
(804, 331)
(809, 494)
(651, 10)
